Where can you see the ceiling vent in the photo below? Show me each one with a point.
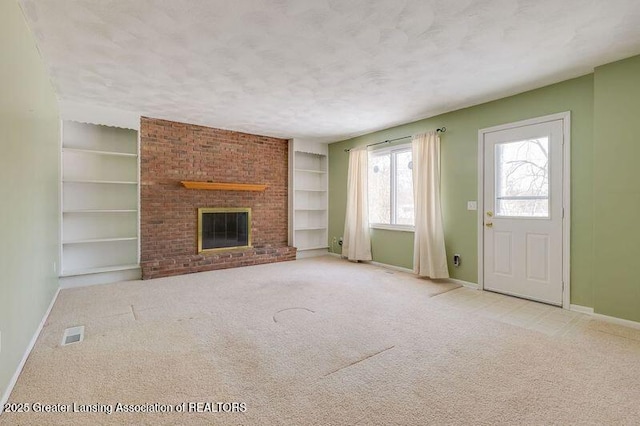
(73, 335)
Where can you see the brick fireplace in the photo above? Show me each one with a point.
(172, 152)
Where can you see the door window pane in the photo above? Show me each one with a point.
(379, 190)
(404, 189)
(522, 178)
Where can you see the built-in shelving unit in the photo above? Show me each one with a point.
(308, 197)
(99, 193)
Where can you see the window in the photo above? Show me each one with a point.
(522, 178)
(391, 188)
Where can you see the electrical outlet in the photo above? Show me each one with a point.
(456, 260)
(340, 241)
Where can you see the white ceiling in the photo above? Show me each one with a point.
(320, 69)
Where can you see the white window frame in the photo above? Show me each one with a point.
(521, 197)
(392, 151)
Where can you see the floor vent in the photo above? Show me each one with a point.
(73, 335)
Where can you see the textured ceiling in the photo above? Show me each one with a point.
(320, 69)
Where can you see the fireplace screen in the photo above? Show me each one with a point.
(223, 229)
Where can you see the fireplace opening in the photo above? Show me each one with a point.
(223, 229)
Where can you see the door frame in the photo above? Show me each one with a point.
(566, 196)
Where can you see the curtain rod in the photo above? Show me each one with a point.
(441, 130)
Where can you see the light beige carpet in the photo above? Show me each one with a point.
(317, 342)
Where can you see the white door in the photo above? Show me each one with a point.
(523, 211)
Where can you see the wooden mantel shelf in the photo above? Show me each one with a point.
(223, 186)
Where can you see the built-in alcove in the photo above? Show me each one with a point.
(99, 200)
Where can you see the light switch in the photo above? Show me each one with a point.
(472, 205)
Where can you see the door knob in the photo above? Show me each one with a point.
(489, 225)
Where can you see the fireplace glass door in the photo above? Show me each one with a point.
(223, 229)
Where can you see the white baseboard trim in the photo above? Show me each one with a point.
(618, 321)
(410, 271)
(304, 254)
(614, 320)
(582, 309)
(467, 284)
(14, 379)
(373, 262)
(100, 278)
(387, 266)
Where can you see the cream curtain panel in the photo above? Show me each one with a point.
(429, 255)
(356, 244)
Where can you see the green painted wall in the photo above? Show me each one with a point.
(617, 185)
(459, 178)
(28, 189)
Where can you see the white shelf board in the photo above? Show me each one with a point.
(312, 248)
(117, 182)
(87, 271)
(100, 211)
(92, 151)
(311, 171)
(312, 228)
(311, 190)
(99, 240)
